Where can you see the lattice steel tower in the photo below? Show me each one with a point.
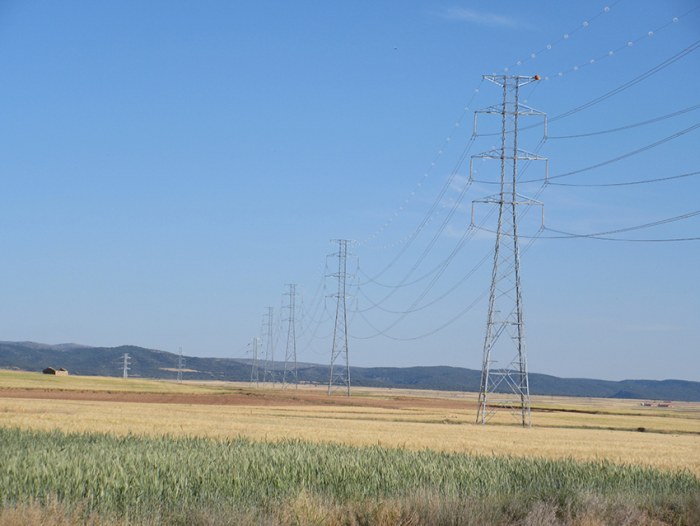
(504, 378)
(126, 362)
(255, 349)
(180, 365)
(270, 373)
(290, 355)
(340, 364)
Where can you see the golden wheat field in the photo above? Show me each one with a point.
(621, 431)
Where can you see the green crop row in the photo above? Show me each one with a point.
(137, 476)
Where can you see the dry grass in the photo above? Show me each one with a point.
(581, 428)
(424, 510)
(26, 380)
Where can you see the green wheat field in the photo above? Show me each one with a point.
(62, 478)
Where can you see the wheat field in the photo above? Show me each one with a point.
(599, 430)
(112, 452)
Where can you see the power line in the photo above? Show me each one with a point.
(468, 234)
(373, 281)
(443, 266)
(628, 126)
(428, 216)
(453, 210)
(650, 72)
(426, 174)
(626, 240)
(316, 303)
(630, 183)
(379, 332)
(314, 334)
(601, 235)
(659, 67)
(652, 224)
(432, 242)
(441, 269)
(564, 37)
(626, 155)
(628, 44)
(459, 315)
(410, 239)
(609, 161)
(449, 291)
(310, 324)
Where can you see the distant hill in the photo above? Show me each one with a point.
(151, 363)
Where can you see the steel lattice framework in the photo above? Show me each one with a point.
(270, 374)
(290, 355)
(340, 364)
(504, 377)
(255, 349)
(180, 365)
(126, 362)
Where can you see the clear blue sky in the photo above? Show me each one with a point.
(168, 166)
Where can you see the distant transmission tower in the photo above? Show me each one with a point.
(254, 375)
(269, 375)
(125, 365)
(504, 378)
(180, 365)
(340, 364)
(290, 355)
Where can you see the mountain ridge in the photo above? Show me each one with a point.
(153, 363)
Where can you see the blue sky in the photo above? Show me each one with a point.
(168, 167)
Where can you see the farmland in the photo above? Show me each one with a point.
(213, 446)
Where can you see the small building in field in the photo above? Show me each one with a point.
(56, 372)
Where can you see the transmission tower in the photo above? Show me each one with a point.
(270, 374)
(340, 365)
(254, 375)
(504, 378)
(126, 361)
(180, 365)
(290, 355)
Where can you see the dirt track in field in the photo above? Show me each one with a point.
(243, 398)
